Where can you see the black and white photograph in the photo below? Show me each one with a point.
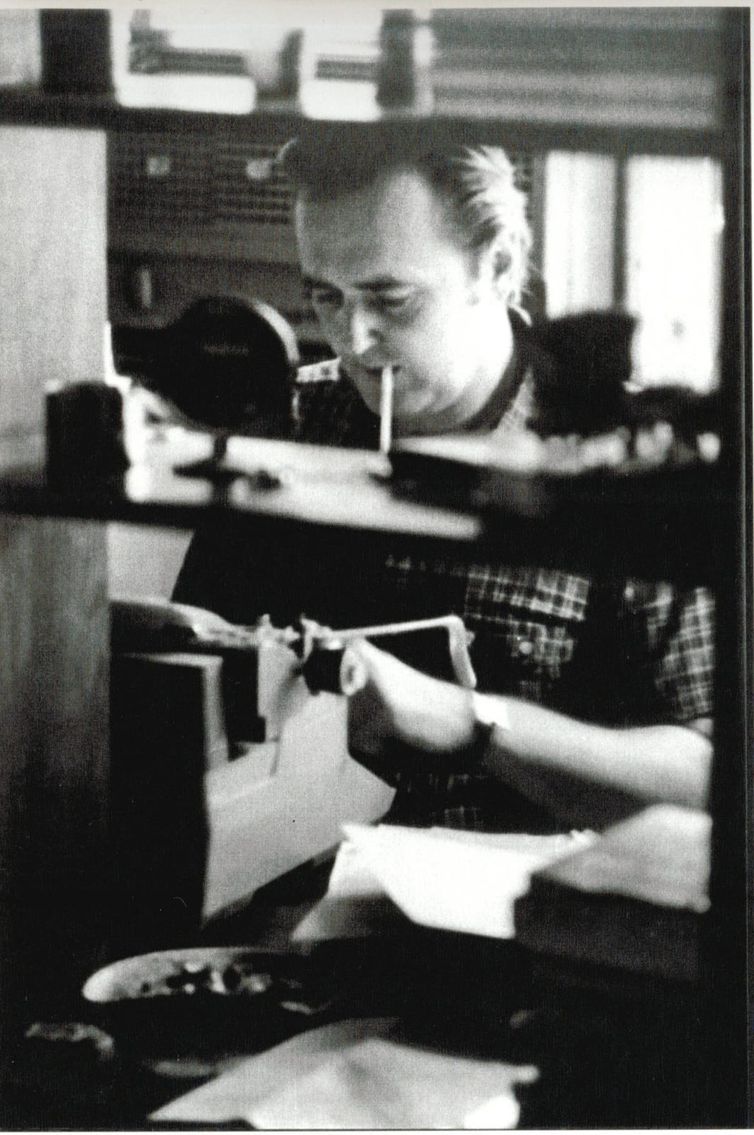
(375, 567)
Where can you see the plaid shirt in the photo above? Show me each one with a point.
(614, 652)
(625, 652)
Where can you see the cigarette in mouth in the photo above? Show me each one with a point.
(386, 409)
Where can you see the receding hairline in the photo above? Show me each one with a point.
(380, 179)
(332, 190)
(323, 169)
(329, 171)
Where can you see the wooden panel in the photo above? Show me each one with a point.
(144, 561)
(53, 590)
(53, 742)
(52, 265)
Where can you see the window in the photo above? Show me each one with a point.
(641, 235)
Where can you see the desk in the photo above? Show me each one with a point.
(618, 1053)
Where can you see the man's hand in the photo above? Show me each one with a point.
(400, 704)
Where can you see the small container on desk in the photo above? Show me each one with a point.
(84, 431)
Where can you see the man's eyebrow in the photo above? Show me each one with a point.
(382, 283)
(378, 284)
(310, 282)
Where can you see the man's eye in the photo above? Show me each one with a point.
(395, 303)
(325, 297)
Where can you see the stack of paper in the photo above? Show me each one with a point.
(634, 901)
(446, 879)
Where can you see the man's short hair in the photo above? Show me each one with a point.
(477, 183)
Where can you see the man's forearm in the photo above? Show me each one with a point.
(583, 773)
(571, 766)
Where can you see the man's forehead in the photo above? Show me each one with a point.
(393, 228)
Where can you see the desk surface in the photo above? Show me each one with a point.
(605, 1059)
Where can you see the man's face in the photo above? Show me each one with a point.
(392, 285)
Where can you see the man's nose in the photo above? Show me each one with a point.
(362, 329)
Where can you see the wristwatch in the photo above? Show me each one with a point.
(490, 712)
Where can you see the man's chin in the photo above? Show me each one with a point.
(408, 409)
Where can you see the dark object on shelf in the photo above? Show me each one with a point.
(84, 432)
(404, 79)
(75, 51)
(227, 365)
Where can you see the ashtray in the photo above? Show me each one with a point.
(207, 998)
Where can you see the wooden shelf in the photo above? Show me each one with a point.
(336, 489)
(490, 123)
(662, 524)
(631, 80)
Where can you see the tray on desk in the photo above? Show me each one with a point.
(204, 997)
(632, 902)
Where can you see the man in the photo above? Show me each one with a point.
(600, 691)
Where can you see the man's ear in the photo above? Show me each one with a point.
(495, 268)
(501, 263)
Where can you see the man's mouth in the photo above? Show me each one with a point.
(375, 373)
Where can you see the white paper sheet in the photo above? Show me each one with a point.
(237, 1091)
(381, 1084)
(439, 877)
(450, 880)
